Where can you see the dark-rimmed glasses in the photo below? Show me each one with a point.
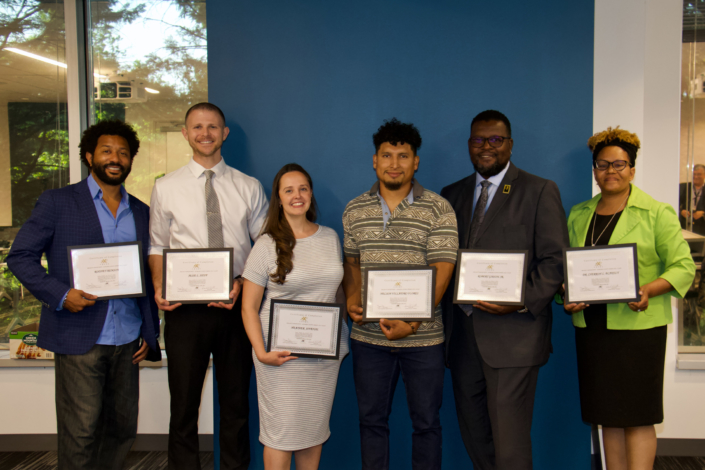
(618, 165)
(495, 141)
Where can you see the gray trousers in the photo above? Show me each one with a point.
(97, 397)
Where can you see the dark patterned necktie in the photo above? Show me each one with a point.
(477, 219)
(215, 223)
(479, 214)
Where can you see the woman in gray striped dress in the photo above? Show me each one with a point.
(294, 259)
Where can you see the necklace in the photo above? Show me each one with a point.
(594, 220)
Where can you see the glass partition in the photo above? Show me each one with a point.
(150, 65)
(691, 321)
(33, 133)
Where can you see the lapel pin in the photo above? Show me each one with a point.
(507, 188)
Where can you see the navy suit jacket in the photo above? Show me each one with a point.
(62, 218)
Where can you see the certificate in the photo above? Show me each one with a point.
(198, 276)
(109, 271)
(406, 294)
(306, 329)
(601, 274)
(494, 276)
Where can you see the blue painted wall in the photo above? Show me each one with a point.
(310, 82)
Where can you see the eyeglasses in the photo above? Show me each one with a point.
(618, 165)
(495, 141)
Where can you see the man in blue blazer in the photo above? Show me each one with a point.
(98, 344)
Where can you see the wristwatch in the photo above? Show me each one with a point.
(523, 310)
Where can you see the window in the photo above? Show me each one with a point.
(33, 132)
(691, 321)
(150, 65)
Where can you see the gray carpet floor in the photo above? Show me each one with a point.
(157, 461)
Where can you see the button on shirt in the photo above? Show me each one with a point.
(495, 180)
(178, 210)
(124, 320)
(386, 213)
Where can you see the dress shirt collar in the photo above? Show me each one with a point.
(495, 180)
(197, 169)
(97, 193)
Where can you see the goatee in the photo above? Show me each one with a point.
(392, 186)
(494, 169)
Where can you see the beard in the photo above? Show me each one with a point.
(492, 170)
(101, 173)
(392, 185)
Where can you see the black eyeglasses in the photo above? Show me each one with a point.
(495, 141)
(618, 165)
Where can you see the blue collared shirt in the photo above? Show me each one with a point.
(495, 180)
(386, 213)
(124, 320)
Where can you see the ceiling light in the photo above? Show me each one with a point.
(35, 56)
(48, 61)
(151, 90)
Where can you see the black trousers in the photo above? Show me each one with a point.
(192, 333)
(470, 391)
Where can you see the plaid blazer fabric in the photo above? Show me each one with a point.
(67, 217)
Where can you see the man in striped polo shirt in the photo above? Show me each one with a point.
(398, 223)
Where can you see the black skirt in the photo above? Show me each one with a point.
(620, 372)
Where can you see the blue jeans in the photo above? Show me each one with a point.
(376, 370)
(97, 397)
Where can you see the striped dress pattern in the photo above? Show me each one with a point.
(295, 400)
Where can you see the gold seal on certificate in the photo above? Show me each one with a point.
(306, 329)
(601, 274)
(198, 276)
(494, 276)
(109, 271)
(406, 294)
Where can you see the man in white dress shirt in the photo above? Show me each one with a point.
(206, 204)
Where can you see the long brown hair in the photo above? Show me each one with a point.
(278, 227)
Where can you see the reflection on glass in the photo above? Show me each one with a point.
(33, 132)
(149, 60)
(150, 64)
(691, 324)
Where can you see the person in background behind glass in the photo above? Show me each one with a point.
(692, 202)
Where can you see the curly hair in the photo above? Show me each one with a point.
(89, 139)
(492, 115)
(278, 227)
(615, 137)
(396, 132)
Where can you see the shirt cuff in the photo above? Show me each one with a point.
(63, 299)
(157, 250)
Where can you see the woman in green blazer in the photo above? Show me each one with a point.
(621, 347)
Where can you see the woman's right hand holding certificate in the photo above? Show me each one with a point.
(575, 308)
(275, 358)
(572, 308)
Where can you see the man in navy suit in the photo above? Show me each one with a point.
(98, 344)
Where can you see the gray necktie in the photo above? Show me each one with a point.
(215, 223)
(475, 225)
